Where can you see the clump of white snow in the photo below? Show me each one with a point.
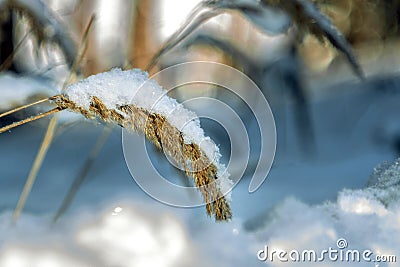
(134, 235)
(368, 219)
(123, 236)
(113, 88)
(118, 88)
(133, 87)
(384, 183)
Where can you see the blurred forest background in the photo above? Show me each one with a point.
(129, 33)
(333, 128)
(44, 41)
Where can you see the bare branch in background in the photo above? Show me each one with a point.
(45, 24)
(304, 14)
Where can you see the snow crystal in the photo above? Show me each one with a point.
(224, 183)
(112, 88)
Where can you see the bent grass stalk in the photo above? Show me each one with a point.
(158, 129)
(165, 137)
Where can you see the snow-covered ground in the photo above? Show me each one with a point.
(113, 223)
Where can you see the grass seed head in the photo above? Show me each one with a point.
(158, 129)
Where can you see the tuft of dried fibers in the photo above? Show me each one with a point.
(131, 100)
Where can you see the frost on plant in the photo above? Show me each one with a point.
(384, 183)
(131, 100)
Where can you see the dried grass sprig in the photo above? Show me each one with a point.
(165, 137)
(30, 119)
(122, 98)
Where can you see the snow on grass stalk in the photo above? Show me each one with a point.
(131, 100)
